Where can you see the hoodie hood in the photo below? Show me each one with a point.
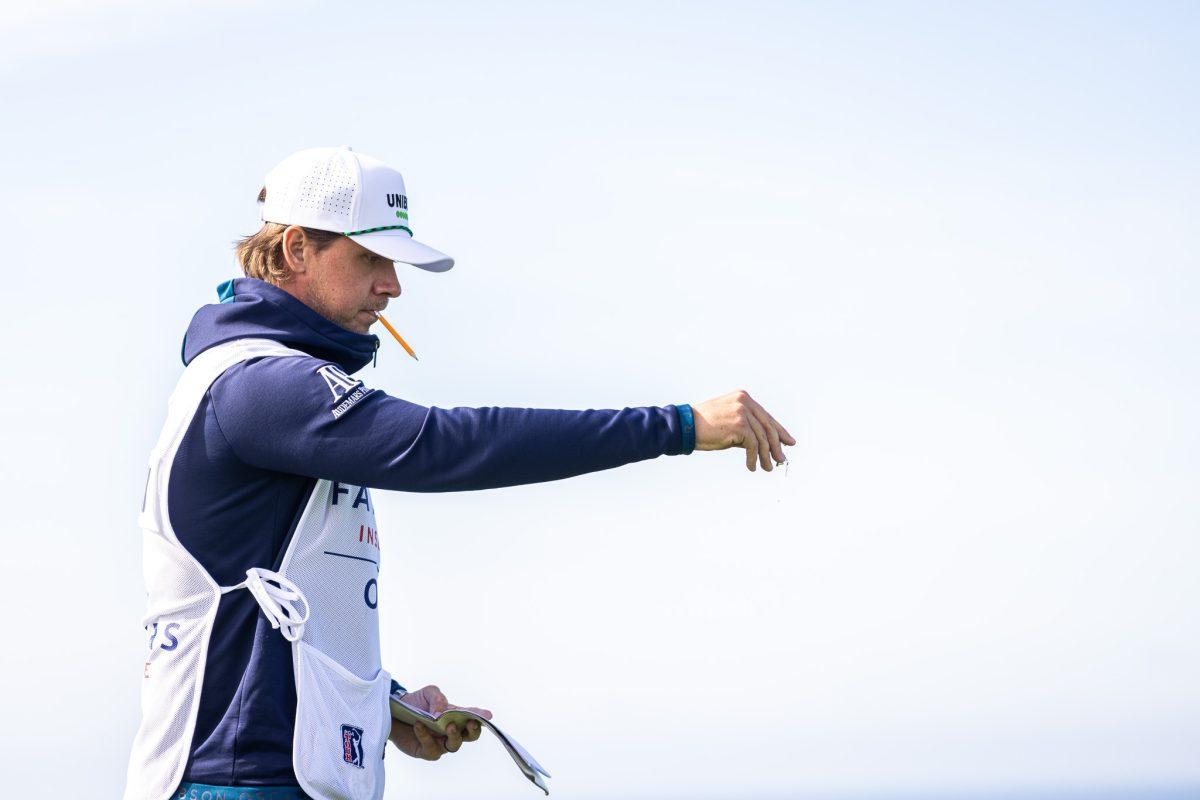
(250, 308)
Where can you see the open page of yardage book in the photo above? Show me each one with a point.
(402, 711)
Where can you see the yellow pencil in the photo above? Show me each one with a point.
(392, 331)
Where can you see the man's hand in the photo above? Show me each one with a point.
(736, 420)
(421, 742)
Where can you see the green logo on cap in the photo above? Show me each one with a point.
(402, 214)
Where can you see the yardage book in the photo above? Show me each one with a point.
(402, 711)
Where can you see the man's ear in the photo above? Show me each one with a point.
(294, 242)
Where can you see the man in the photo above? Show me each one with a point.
(261, 547)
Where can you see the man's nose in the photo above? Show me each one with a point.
(389, 284)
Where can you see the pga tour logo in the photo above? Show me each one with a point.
(352, 751)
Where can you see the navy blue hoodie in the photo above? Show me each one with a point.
(269, 428)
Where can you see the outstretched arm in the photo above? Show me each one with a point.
(282, 413)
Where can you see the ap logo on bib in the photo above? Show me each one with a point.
(352, 752)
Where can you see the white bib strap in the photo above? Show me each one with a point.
(278, 598)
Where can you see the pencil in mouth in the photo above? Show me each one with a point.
(393, 332)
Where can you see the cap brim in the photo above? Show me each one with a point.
(399, 246)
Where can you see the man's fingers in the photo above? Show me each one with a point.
(453, 738)
(769, 425)
(784, 436)
(483, 712)
(777, 440)
(431, 746)
(750, 440)
(764, 438)
(424, 742)
(764, 445)
(787, 438)
(437, 701)
(776, 432)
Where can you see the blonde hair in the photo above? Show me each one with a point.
(261, 253)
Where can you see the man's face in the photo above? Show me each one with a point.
(343, 282)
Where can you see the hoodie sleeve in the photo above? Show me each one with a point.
(307, 417)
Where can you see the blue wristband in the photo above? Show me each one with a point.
(687, 425)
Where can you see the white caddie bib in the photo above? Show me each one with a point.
(322, 599)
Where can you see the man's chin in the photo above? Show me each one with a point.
(361, 322)
(355, 325)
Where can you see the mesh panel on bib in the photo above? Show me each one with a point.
(338, 573)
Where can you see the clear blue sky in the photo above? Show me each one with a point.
(952, 246)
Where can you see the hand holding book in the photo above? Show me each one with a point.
(437, 727)
(419, 741)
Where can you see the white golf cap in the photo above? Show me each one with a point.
(336, 189)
